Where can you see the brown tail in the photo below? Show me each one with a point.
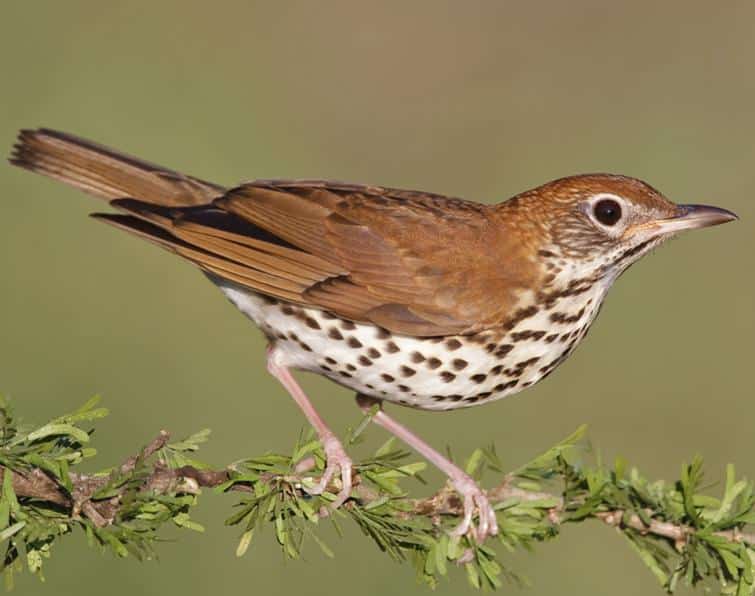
(106, 173)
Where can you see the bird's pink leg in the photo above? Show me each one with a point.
(472, 494)
(335, 454)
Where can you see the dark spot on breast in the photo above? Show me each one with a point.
(633, 251)
(528, 334)
(562, 317)
(383, 333)
(347, 325)
(490, 348)
(471, 399)
(453, 344)
(351, 367)
(417, 358)
(403, 388)
(326, 368)
(496, 370)
(546, 254)
(373, 353)
(551, 338)
(503, 349)
(312, 323)
(551, 366)
(478, 378)
(546, 370)
(354, 342)
(503, 386)
(433, 363)
(387, 378)
(330, 360)
(407, 371)
(519, 316)
(334, 333)
(293, 336)
(391, 347)
(343, 373)
(326, 314)
(459, 364)
(287, 310)
(574, 288)
(526, 363)
(305, 347)
(564, 337)
(447, 376)
(369, 386)
(364, 361)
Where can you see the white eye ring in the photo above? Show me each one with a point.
(608, 212)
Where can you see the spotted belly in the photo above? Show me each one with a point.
(427, 373)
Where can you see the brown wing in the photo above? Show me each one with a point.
(414, 263)
(226, 246)
(412, 258)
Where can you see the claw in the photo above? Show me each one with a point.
(474, 497)
(335, 455)
(336, 459)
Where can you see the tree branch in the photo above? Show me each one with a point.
(162, 480)
(124, 508)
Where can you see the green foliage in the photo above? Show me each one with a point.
(31, 525)
(684, 535)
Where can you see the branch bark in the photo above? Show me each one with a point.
(38, 485)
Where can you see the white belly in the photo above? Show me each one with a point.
(434, 373)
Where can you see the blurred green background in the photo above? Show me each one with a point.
(479, 99)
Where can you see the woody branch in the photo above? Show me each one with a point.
(34, 483)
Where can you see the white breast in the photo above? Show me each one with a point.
(436, 373)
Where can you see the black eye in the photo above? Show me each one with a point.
(607, 212)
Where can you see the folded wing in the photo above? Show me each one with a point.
(409, 262)
(415, 263)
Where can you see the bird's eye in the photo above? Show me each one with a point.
(607, 211)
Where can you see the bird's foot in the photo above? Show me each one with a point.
(474, 497)
(336, 459)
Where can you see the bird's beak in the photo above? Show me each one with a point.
(691, 217)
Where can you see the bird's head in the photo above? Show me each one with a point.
(600, 224)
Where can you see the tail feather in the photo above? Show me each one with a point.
(107, 173)
(176, 212)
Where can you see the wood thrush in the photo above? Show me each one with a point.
(408, 297)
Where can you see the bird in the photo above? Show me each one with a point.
(405, 297)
